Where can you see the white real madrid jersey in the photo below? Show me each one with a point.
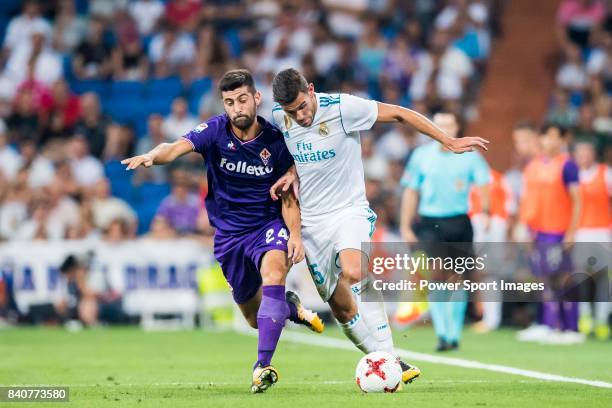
(327, 154)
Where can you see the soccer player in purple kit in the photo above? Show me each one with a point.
(257, 239)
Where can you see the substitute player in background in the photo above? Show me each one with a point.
(245, 155)
(551, 208)
(594, 228)
(322, 133)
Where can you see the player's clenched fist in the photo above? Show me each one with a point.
(136, 161)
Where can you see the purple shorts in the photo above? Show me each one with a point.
(549, 257)
(240, 256)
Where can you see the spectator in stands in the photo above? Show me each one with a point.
(61, 113)
(288, 31)
(92, 59)
(279, 58)
(572, 73)
(347, 70)
(325, 49)
(106, 208)
(371, 48)
(179, 121)
(106, 9)
(586, 130)
(38, 169)
(183, 13)
(24, 120)
(343, 16)
(562, 112)
(87, 170)
(443, 73)
(85, 229)
(119, 142)
(227, 13)
(154, 136)
(63, 172)
(63, 209)
(400, 63)
(21, 27)
(603, 114)
(40, 225)
(14, 207)
(69, 28)
(170, 51)
(130, 62)
(210, 103)
(599, 63)
(309, 70)
(146, 13)
(10, 162)
(117, 232)
(160, 229)
(181, 207)
(93, 124)
(577, 19)
(398, 142)
(212, 54)
(34, 60)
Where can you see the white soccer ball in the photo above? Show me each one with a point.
(378, 372)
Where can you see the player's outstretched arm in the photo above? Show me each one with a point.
(397, 114)
(162, 154)
(292, 216)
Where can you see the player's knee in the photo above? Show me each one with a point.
(273, 276)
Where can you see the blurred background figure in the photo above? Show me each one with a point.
(437, 186)
(593, 232)
(550, 207)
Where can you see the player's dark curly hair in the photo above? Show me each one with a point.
(235, 79)
(287, 84)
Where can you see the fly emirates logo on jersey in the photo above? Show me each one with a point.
(305, 154)
(243, 167)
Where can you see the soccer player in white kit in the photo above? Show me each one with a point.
(322, 134)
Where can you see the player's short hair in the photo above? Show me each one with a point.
(287, 84)
(563, 131)
(235, 79)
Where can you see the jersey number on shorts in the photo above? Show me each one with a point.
(282, 233)
(316, 275)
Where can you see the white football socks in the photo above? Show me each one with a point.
(371, 305)
(358, 332)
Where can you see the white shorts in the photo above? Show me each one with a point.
(347, 229)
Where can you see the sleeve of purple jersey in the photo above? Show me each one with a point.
(285, 160)
(200, 137)
(570, 173)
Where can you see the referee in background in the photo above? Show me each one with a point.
(436, 185)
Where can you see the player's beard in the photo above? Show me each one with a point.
(243, 122)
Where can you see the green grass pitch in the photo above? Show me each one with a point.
(125, 367)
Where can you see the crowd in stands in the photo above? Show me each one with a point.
(84, 84)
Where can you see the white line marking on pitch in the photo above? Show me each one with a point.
(311, 339)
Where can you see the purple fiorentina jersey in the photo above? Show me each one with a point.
(240, 174)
